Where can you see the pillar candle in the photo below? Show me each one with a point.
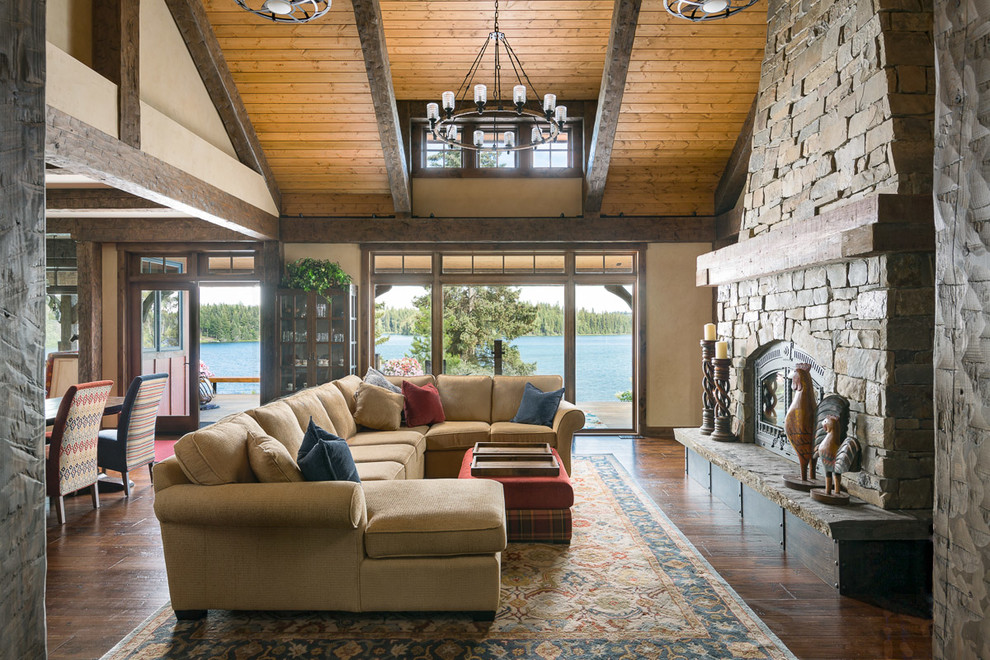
(709, 331)
(721, 350)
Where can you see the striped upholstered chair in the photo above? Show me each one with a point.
(132, 443)
(71, 462)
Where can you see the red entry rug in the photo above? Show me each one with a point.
(629, 585)
(164, 449)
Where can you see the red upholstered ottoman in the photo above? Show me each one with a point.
(537, 509)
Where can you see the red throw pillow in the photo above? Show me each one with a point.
(422, 404)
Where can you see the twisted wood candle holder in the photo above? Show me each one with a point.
(723, 420)
(708, 387)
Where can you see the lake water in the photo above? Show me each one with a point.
(604, 362)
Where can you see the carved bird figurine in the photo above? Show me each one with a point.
(837, 458)
(800, 422)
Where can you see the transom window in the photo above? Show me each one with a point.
(440, 155)
(553, 155)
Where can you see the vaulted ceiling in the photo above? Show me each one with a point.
(306, 90)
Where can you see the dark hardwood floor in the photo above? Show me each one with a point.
(106, 573)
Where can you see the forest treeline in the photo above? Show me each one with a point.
(226, 323)
(549, 321)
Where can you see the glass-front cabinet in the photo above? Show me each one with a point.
(317, 337)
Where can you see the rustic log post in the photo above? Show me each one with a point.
(22, 299)
(89, 266)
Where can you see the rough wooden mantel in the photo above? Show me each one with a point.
(878, 224)
(762, 470)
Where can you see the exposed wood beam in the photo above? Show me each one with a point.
(879, 224)
(140, 230)
(96, 200)
(625, 15)
(79, 147)
(194, 25)
(730, 186)
(659, 229)
(116, 56)
(368, 16)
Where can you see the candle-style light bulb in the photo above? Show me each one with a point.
(432, 111)
(479, 138)
(560, 114)
(549, 103)
(452, 133)
(536, 135)
(519, 95)
(480, 96)
(448, 100)
(509, 139)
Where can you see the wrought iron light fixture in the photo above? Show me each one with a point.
(446, 119)
(288, 11)
(706, 10)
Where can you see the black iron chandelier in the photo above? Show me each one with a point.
(546, 121)
(706, 10)
(288, 11)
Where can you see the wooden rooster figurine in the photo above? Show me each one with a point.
(800, 423)
(837, 458)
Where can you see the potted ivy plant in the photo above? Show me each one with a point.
(318, 275)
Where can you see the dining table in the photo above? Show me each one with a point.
(113, 406)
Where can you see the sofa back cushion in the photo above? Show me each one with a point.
(418, 381)
(507, 392)
(216, 455)
(338, 410)
(466, 398)
(305, 404)
(348, 386)
(279, 421)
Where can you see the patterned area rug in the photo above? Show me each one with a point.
(629, 586)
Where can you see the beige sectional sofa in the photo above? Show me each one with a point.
(395, 542)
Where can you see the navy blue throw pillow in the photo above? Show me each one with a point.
(537, 406)
(325, 457)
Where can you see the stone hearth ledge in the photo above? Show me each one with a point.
(763, 471)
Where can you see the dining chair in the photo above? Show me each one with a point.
(71, 461)
(132, 443)
(61, 370)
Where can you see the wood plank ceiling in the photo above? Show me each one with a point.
(306, 90)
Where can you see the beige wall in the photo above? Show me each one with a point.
(495, 198)
(676, 311)
(348, 255)
(69, 25)
(170, 82)
(75, 89)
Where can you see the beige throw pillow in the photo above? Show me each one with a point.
(377, 408)
(271, 461)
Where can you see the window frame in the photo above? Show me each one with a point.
(524, 158)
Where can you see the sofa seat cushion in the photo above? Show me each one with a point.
(280, 422)
(456, 435)
(380, 471)
(411, 437)
(399, 453)
(513, 432)
(434, 517)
